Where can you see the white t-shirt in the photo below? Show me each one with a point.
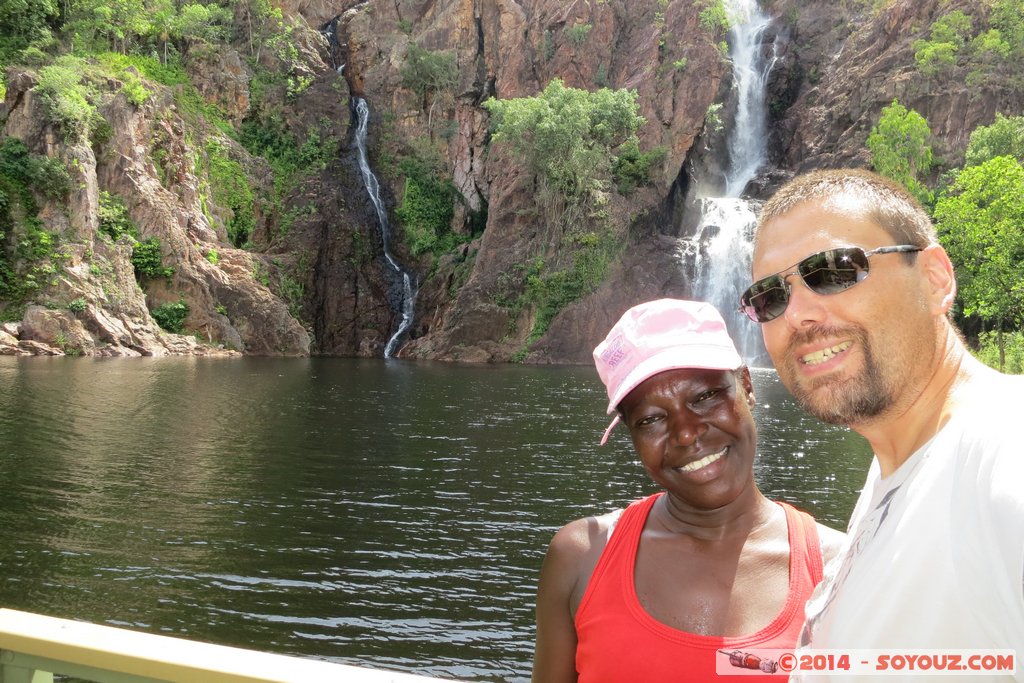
(934, 557)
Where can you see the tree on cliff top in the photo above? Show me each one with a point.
(980, 221)
(22, 23)
(566, 136)
(900, 150)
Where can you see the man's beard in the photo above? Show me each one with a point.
(847, 401)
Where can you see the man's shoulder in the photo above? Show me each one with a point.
(831, 541)
(990, 406)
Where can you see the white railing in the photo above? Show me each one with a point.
(34, 647)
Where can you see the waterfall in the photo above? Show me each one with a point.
(748, 140)
(408, 300)
(721, 247)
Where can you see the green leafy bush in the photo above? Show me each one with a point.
(552, 291)
(171, 316)
(269, 137)
(170, 74)
(979, 222)
(566, 135)
(900, 150)
(1005, 137)
(67, 99)
(578, 33)
(1007, 17)
(147, 257)
(949, 34)
(426, 208)
(29, 254)
(426, 71)
(231, 189)
(714, 18)
(632, 168)
(114, 219)
(23, 23)
(1013, 351)
(134, 90)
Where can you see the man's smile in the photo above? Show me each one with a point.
(822, 355)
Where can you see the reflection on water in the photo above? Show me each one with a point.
(390, 514)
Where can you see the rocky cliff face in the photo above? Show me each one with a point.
(511, 49)
(842, 65)
(839, 65)
(229, 310)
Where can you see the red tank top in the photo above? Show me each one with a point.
(619, 641)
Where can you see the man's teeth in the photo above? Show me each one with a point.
(824, 354)
(703, 462)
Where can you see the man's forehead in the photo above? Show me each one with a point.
(841, 203)
(845, 203)
(844, 206)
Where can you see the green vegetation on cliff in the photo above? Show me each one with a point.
(578, 145)
(900, 150)
(567, 136)
(29, 254)
(81, 57)
(979, 214)
(986, 44)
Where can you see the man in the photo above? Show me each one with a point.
(696, 576)
(853, 294)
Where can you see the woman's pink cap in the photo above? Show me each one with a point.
(666, 334)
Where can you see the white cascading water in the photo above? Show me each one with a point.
(722, 243)
(373, 189)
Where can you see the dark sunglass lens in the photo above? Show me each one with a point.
(834, 270)
(766, 299)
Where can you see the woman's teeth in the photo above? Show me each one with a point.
(703, 462)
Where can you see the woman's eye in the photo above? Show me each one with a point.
(647, 421)
(707, 395)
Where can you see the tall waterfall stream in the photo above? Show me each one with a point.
(408, 301)
(721, 247)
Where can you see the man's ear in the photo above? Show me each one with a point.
(941, 281)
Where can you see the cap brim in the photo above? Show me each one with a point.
(608, 432)
(676, 358)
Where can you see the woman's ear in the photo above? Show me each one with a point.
(743, 375)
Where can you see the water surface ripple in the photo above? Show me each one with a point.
(389, 514)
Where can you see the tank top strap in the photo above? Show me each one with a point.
(803, 536)
(616, 562)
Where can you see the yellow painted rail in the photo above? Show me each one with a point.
(33, 647)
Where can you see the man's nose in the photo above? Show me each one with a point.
(805, 307)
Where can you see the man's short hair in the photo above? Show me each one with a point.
(885, 202)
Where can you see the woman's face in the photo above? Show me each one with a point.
(694, 433)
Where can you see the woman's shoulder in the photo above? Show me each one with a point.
(585, 535)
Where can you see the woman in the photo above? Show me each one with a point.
(679, 585)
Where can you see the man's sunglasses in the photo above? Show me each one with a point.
(827, 272)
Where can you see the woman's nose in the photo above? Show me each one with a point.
(687, 426)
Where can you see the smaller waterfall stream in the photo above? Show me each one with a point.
(408, 299)
(721, 247)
